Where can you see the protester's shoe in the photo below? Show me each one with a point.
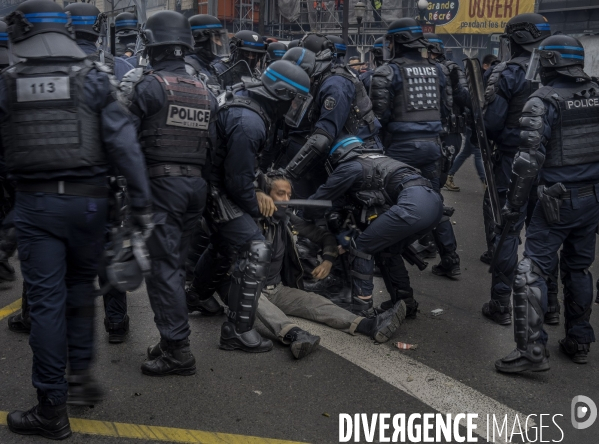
(117, 331)
(578, 353)
(450, 186)
(535, 359)
(500, 314)
(487, 257)
(387, 323)
(302, 342)
(207, 307)
(83, 389)
(249, 341)
(449, 266)
(176, 359)
(19, 324)
(49, 421)
(154, 351)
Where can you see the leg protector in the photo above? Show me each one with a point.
(246, 284)
(553, 307)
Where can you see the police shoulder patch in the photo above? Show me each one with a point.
(329, 103)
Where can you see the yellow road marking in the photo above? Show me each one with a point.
(10, 309)
(156, 433)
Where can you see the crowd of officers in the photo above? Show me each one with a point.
(280, 179)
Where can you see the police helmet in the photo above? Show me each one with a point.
(435, 44)
(275, 51)
(527, 30)
(40, 29)
(209, 34)
(302, 57)
(86, 18)
(167, 28)
(344, 149)
(564, 54)
(340, 46)
(293, 44)
(4, 58)
(248, 41)
(322, 47)
(125, 24)
(377, 50)
(406, 32)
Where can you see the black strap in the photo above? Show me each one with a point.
(174, 171)
(585, 191)
(420, 182)
(65, 188)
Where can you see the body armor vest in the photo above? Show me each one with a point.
(179, 131)
(376, 171)
(517, 102)
(575, 134)
(195, 69)
(420, 99)
(361, 113)
(49, 126)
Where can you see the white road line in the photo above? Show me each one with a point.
(435, 389)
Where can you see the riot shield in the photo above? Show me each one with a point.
(233, 75)
(477, 93)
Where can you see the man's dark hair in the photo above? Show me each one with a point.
(488, 59)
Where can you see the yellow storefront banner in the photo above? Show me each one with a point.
(475, 16)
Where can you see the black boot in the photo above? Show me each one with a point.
(207, 307)
(154, 351)
(49, 421)
(575, 351)
(249, 341)
(117, 331)
(487, 257)
(385, 324)
(7, 271)
(21, 322)
(302, 342)
(83, 389)
(362, 307)
(449, 266)
(534, 359)
(177, 359)
(497, 312)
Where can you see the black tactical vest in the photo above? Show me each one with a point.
(48, 125)
(517, 102)
(178, 133)
(420, 99)
(575, 135)
(376, 171)
(361, 113)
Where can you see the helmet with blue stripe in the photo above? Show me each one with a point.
(406, 32)
(435, 44)
(284, 80)
(340, 45)
(86, 18)
(563, 54)
(344, 149)
(275, 51)
(42, 29)
(302, 57)
(4, 59)
(249, 41)
(125, 24)
(209, 36)
(167, 28)
(527, 30)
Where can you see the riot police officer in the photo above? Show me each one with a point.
(506, 93)
(377, 60)
(245, 118)
(410, 96)
(87, 23)
(173, 113)
(246, 46)
(125, 27)
(370, 180)
(341, 107)
(60, 168)
(340, 49)
(559, 142)
(211, 43)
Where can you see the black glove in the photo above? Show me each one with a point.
(454, 75)
(510, 215)
(143, 219)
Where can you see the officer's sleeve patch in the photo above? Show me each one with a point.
(330, 103)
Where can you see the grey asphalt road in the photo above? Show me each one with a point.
(273, 396)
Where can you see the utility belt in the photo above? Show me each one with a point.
(63, 188)
(551, 198)
(167, 170)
